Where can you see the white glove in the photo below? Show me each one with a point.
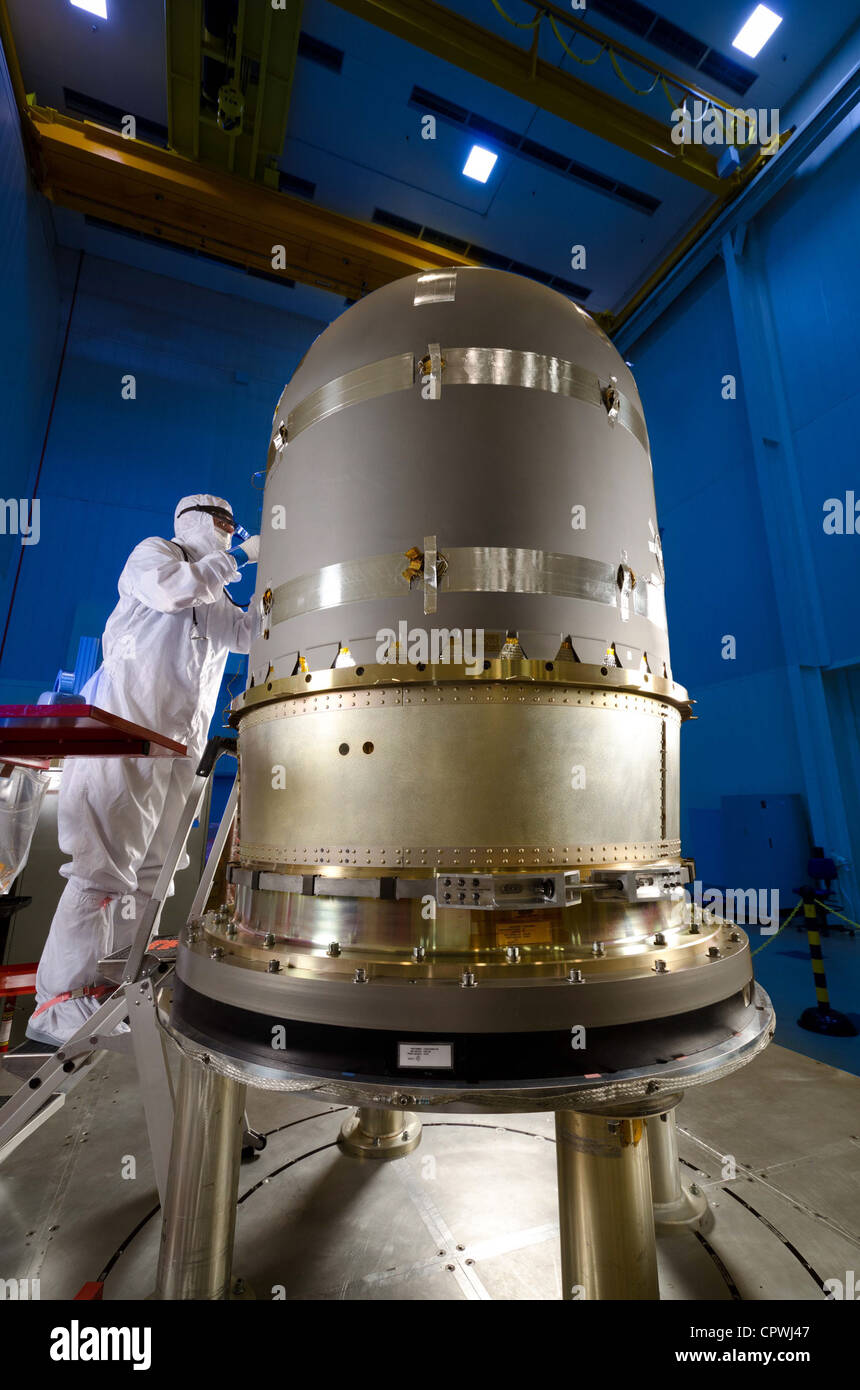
(251, 548)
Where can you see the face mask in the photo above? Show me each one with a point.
(223, 534)
(199, 525)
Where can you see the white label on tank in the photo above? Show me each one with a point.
(425, 1055)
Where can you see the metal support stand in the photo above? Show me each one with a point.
(676, 1207)
(374, 1133)
(608, 1244)
(200, 1211)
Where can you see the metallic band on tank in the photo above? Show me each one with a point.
(458, 856)
(537, 372)
(499, 693)
(562, 680)
(473, 570)
(469, 366)
(362, 384)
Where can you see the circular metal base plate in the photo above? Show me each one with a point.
(202, 1026)
(353, 1140)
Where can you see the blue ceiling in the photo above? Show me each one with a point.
(354, 141)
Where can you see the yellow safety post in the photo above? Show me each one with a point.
(821, 1018)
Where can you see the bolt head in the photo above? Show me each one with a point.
(217, 953)
(714, 952)
(273, 967)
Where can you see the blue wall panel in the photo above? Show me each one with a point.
(718, 578)
(719, 575)
(208, 371)
(810, 238)
(29, 320)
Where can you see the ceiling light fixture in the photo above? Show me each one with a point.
(96, 7)
(757, 30)
(480, 163)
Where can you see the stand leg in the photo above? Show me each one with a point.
(608, 1245)
(374, 1133)
(675, 1207)
(200, 1212)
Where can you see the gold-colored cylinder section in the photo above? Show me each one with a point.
(608, 1244)
(451, 773)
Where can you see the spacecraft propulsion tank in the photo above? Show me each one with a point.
(457, 878)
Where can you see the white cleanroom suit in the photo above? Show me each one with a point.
(164, 650)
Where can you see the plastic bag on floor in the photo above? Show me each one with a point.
(22, 791)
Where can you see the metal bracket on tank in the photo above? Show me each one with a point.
(435, 566)
(477, 891)
(494, 891)
(655, 545)
(431, 372)
(647, 884)
(611, 397)
(431, 578)
(626, 581)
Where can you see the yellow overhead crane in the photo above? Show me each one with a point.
(144, 188)
(519, 70)
(213, 190)
(229, 86)
(219, 206)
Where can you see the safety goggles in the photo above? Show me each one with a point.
(219, 514)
